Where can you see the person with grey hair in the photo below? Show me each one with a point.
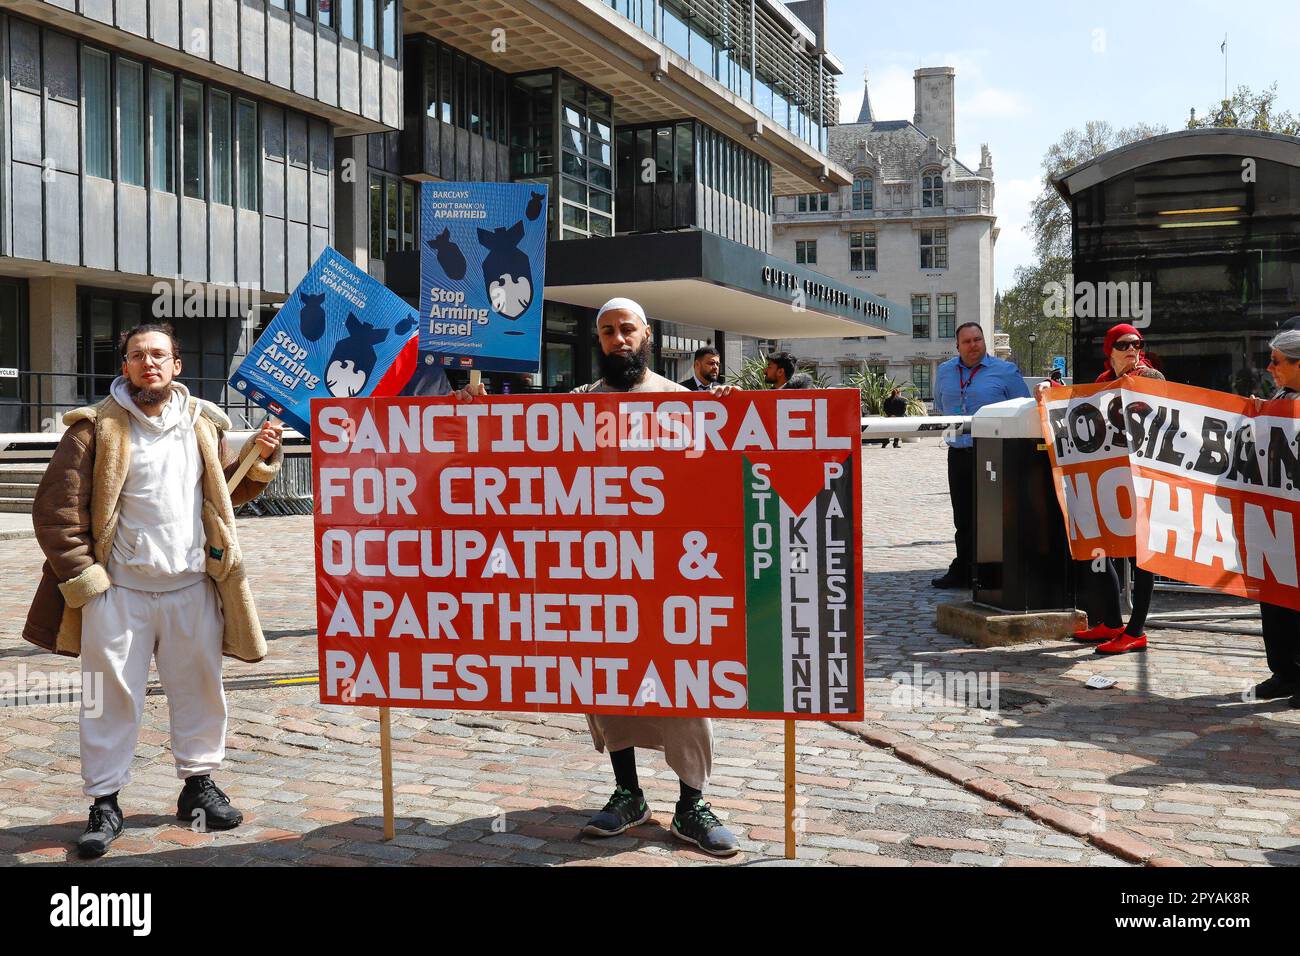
(1281, 625)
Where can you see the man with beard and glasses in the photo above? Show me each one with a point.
(138, 529)
(686, 742)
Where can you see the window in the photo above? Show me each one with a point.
(934, 248)
(393, 205)
(862, 251)
(98, 113)
(222, 155)
(676, 35)
(947, 316)
(702, 51)
(250, 155)
(408, 215)
(863, 195)
(192, 140)
(921, 380)
(325, 12)
(921, 316)
(376, 216)
(475, 99)
(877, 369)
(444, 85)
(932, 191)
(302, 8)
(162, 130)
(391, 210)
(130, 108)
(348, 18)
(390, 27)
(684, 157)
(814, 202)
(368, 23)
(805, 252)
(458, 92)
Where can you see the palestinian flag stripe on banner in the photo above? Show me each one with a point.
(800, 613)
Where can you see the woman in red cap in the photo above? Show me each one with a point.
(1123, 347)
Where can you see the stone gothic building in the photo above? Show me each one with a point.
(916, 227)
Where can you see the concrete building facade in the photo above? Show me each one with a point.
(189, 159)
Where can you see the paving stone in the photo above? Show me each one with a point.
(1159, 770)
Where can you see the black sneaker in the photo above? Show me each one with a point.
(1274, 688)
(698, 825)
(625, 809)
(104, 827)
(202, 801)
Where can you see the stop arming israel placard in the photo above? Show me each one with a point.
(340, 333)
(482, 274)
(673, 556)
(1198, 485)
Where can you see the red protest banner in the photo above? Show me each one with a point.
(674, 555)
(1199, 485)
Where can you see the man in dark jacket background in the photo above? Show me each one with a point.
(708, 366)
(895, 407)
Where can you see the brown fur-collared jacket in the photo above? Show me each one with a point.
(75, 515)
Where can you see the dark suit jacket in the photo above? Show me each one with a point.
(690, 385)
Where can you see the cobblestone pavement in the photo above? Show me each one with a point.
(1170, 766)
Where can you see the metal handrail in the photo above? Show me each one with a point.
(39, 394)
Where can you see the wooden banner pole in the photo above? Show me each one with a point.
(249, 460)
(789, 791)
(386, 762)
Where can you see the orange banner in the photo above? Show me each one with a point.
(1198, 485)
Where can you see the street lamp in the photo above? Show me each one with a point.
(1033, 337)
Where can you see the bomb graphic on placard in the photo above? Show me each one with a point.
(312, 317)
(507, 273)
(353, 359)
(534, 206)
(450, 258)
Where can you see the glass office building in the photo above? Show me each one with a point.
(663, 129)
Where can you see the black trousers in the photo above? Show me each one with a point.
(961, 491)
(1282, 641)
(1103, 592)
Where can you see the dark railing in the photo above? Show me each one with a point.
(44, 397)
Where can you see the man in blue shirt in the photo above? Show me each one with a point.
(963, 386)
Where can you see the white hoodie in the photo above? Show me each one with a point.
(159, 541)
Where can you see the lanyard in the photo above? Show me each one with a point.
(965, 383)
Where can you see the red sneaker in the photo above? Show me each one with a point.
(1123, 644)
(1101, 632)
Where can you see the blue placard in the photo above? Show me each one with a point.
(482, 274)
(1059, 362)
(337, 335)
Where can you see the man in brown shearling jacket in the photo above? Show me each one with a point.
(137, 526)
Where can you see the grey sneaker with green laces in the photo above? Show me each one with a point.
(698, 825)
(625, 809)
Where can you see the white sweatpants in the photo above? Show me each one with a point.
(121, 630)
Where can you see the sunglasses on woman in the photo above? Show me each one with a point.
(1126, 346)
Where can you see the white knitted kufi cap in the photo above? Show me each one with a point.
(625, 305)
